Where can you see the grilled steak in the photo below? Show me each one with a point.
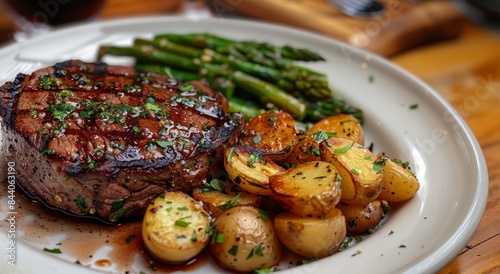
(101, 140)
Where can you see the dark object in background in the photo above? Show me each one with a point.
(53, 12)
(490, 8)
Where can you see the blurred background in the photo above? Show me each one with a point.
(454, 46)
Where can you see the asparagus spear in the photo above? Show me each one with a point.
(207, 40)
(149, 54)
(322, 109)
(296, 80)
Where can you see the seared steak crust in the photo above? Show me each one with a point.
(101, 140)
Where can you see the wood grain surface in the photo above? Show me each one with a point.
(403, 24)
(465, 70)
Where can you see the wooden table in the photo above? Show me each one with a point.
(458, 69)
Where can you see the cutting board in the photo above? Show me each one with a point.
(403, 25)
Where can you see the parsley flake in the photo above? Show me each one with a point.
(344, 149)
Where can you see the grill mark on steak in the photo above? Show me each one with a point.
(101, 140)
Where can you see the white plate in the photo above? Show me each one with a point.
(434, 226)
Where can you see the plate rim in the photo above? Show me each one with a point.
(433, 261)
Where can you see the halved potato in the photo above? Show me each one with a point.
(399, 184)
(174, 228)
(311, 237)
(310, 189)
(244, 240)
(342, 125)
(248, 169)
(274, 132)
(362, 219)
(306, 150)
(361, 174)
(216, 202)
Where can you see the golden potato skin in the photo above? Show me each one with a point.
(306, 150)
(249, 170)
(399, 184)
(311, 237)
(174, 228)
(358, 167)
(273, 131)
(310, 189)
(249, 241)
(343, 125)
(216, 201)
(362, 219)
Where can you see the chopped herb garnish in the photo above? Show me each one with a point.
(371, 78)
(344, 149)
(219, 238)
(182, 223)
(151, 105)
(313, 150)
(80, 203)
(64, 94)
(136, 129)
(33, 112)
(183, 208)
(252, 159)
(202, 143)
(272, 119)
(233, 251)
(229, 157)
(90, 165)
(355, 172)
(230, 203)
(194, 237)
(250, 255)
(321, 135)
(48, 151)
(262, 271)
(60, 111)
(164, 144)
(392, 232)
(215, 184)
(129, 239)
(53, 250)
(377, 165)
(402, 246)
(117, 204)
(264, 215)
(185, 88)
(414, 106)
(306, 261)
(115, 216)
(256, 139)
(258, 250)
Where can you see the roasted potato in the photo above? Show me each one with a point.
(274, 132)
(174, 228)
(216, 201)
(363, 218)
(399, 184)
(342, 126)
(311, 237)
(360, 170)
(306, 150)
(244, 240)
(310, 189)
(249, 170)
